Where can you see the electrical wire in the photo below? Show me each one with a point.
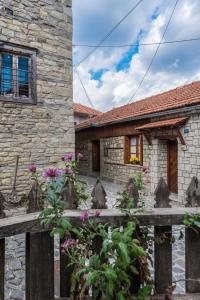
(156, 52)
(109, 33)
(86, 93)
(139, 44)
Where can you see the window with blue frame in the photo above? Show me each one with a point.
(15, 77)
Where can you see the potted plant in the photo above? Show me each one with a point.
(134, 160)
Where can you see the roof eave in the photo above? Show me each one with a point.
(146, 116)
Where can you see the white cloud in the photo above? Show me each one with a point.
(176, 64)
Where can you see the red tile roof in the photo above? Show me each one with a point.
(83, 109)
(164, 123)
(179, 97)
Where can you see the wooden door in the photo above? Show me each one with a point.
(173, 166)
(96, 156)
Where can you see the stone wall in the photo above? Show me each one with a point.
(38, 133)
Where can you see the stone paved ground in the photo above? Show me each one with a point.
(15, 249)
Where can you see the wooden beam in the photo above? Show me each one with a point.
(147, 135)
(181, 138)
(166, 137)
(124, 129)
(150, 216)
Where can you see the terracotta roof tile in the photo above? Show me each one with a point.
(80, 108)
(176, 98)
(164, 123)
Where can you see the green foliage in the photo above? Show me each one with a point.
(192, 221)
(139, 182)
(121, 254)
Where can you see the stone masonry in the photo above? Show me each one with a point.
(154, 156)
(38, 133)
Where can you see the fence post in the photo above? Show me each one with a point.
(69, 198)
(34, 199)
(163, 246)
(39, 257)
(99, 196)
(133, 192)
(192, 242)
(134, 195)
(98, 202)
(2, 251)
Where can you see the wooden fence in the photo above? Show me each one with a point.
(40, 246)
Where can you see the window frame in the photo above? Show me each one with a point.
(139, 148)
(21, 51)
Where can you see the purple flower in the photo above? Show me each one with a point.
(79, 155)
(84, 216)
(32, 168)
(68, 171)
(52, 173)
(67, 244)
(97, 214)
(68, 156)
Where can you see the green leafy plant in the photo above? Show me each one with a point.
(192, 221)
(105, 258)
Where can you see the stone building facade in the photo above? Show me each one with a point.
(171, 146)
(37, 121)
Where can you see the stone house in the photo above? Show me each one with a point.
(36, 109)
(83, 113)
(161, 133)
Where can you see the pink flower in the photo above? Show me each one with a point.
(67, 244)
(52, 173)
(79, 155)
(68, 171)
(97, 214)
(84, 216)
(32, 168)
(68, 156)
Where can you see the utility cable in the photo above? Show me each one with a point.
(156, 52)
(109, 33)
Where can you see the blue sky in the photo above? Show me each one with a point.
(111, 75)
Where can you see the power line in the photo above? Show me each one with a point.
(110, 32)
(86, 93)
(154, 56)
(139, 44)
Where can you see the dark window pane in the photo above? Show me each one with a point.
(23, 76)
(6, 74)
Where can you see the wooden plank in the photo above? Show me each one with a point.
(192, 242)
(39, 266)
(150, 216)
(162, 245)
(163, 259)
(2, 268)
(70, 201)
(160, 297)
(192, 260)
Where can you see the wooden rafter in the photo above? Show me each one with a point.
(181, 138)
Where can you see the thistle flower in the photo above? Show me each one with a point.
(67, 157)
(52, 173)
(68, 171)
(32, 168)
(79, 155)
(67, 244)
(84, 216)
(97, 214)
